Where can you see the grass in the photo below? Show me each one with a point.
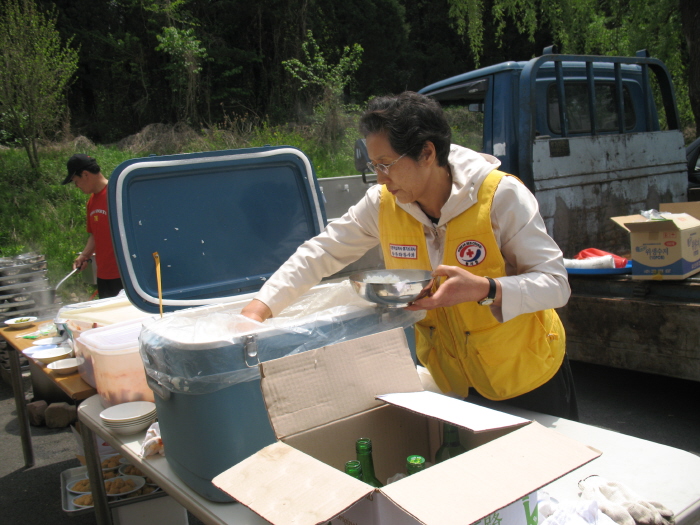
(39, 214)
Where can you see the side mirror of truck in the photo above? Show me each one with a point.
(361, 160)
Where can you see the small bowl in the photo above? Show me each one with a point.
(78, 505)
(77, 491)
(130, 470)
(139, 481)
(392, 288)
(21, 322)
(64, 366)
(119, 458)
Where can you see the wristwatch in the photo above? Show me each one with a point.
(491, 295)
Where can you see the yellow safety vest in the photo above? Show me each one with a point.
(465, 345)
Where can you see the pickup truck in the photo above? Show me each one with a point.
(586, 135)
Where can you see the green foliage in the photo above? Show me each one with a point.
(595, 27)
(314, 71)
(187, 54)
(35, 68)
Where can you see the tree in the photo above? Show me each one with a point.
(314, 71)
(592, 27)
(35, 69)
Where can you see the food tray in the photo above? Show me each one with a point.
(72, 475)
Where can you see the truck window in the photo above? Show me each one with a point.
(467, 123)
(577, 108)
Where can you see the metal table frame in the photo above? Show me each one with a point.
(657, 472)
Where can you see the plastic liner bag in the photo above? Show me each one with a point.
(202, 350)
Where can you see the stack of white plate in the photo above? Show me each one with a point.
(129, 418)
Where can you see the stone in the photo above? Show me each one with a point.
(60, 415)
(36, 412)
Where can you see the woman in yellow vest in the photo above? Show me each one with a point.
(490, 328)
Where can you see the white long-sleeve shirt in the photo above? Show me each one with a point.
(535, 275)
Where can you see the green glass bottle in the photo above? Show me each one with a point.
(363, 447)
(451, 446)
(414, 464)
(354, 468)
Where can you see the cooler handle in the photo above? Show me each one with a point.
(157, 388)
(250, 351)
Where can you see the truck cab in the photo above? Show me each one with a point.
(584, 133)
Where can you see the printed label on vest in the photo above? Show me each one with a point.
(404, 251)
(471, 253)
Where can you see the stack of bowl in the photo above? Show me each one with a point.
(129, 418)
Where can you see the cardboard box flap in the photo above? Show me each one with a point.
(691, 208)
(477, 483)
(285, 486)
(461, 413)
(634, 223)
(316, 387)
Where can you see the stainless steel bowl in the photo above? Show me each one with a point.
(391, 288)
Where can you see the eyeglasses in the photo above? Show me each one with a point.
(384, 168)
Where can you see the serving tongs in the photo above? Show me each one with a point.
(65, 278)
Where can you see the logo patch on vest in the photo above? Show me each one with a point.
(404, 251)
(471, 253)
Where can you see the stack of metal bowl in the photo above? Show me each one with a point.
(24, 287)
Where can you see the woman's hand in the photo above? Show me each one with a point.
(459, 286)
(257, 311)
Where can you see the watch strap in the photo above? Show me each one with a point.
(491, 295)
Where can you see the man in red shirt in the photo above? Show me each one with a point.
(84, 171)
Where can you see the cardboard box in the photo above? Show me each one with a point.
(665, 249)
(321, 401)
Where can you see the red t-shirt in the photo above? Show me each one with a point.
(98, 226)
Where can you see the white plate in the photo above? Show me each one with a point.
(132, 429)
(18, 322)
(70, 487)
(149, 417)
(64, 366)
(49, 341)
(128, 411)
(52, 354)
(138, 483)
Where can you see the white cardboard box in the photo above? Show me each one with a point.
(665, 250)
(321, 401)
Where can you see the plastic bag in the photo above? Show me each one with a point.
(620, 262)
(202, 350)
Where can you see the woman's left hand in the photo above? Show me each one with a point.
(459, 286)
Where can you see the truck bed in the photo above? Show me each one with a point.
(646, 326)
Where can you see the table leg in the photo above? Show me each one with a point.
(21, 405)
(103, 514)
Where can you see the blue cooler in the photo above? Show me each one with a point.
(221, 223)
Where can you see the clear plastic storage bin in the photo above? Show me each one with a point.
(112, 352)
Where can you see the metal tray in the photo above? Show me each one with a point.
(74, 474)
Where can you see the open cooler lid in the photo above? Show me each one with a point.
(221, 222)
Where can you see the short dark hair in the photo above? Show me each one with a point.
(409, 120)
